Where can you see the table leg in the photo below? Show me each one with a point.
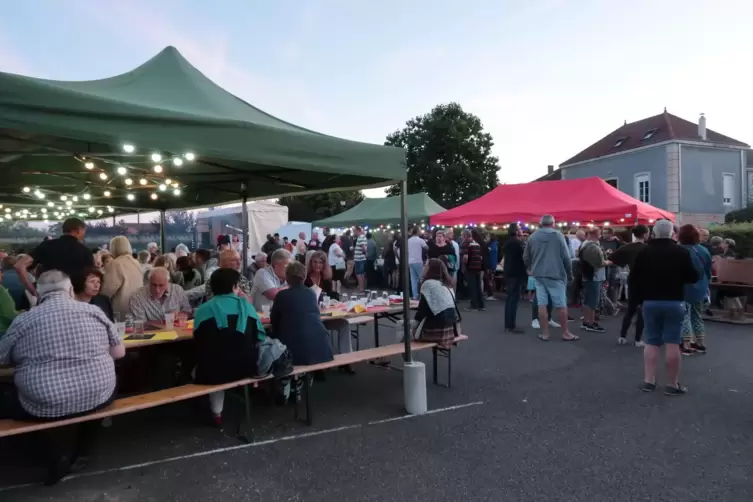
(376, 330)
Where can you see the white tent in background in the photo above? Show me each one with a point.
(264, 218)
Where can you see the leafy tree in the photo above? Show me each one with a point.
(448, 156)
(319, 206)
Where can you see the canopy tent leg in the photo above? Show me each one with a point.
(414, 372)
(162, 240)
(244, 227)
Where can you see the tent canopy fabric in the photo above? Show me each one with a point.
(384, 211)
(579, 200)
(49, 129)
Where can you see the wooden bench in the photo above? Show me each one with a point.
(191, 391)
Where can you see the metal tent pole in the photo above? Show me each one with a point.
(244, 227)
(162, 240)
(405, 271)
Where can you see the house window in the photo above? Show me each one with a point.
(643, 187)
(649, 134)
(612, 181)
(728, 189)
(619, 142)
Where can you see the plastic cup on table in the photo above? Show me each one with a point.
(169, 320)
(265, 310)
(182, 319)
(138, 327)
(121, 327)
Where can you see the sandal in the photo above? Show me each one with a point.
(542, 337)
(573, 338)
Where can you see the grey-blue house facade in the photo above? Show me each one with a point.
(673, 164)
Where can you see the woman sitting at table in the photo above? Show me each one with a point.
(296, 320)
(319, 281)
(86, 286)
(188, 277)
(230, 341)
(437, 315)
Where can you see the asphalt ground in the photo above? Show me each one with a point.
(523, 421)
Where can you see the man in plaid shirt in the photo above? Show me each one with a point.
(152, 301)
(63, 353)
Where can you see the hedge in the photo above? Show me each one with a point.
(741, 233)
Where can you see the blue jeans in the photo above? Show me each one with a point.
(663, 322)
(474, 289)
(416, 271)
(514, 285)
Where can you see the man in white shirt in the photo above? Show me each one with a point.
(416, 247)
(270, 280)
(450, 235)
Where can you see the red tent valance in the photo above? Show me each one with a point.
(583, 200)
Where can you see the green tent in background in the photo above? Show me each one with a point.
(384, 211)
(74, 138)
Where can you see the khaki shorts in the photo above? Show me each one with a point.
(349, 268)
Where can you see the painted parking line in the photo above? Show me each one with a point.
(250, 445)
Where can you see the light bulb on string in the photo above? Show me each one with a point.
(154, 196)
(107, 193)
(87, 196)
(51, 204)
(168, 182)
(189, 156)
(44, 209)
(128, 148)
(99, 211)
(122, 171)
(68, 203)
(162, 187)
(110, 209)
(75, 198)
(26, 189)
(176, 192)
(128, 181)
(63, 197)
(91, 209)
(130, 196)
(143, 181)
(156, 157)
(7, 210)
(177, 162)
(40, 195)
(103, 176)
(157, 168)
(89, 165)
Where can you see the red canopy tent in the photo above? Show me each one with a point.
(582, 200)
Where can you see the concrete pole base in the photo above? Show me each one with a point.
(414, 387)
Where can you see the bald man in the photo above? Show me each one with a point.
(229, 258)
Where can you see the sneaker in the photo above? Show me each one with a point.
(671, 390)
(470, 309)
(685, 351)
(554, 324)
(517, 331)
(491, 298)
(595, 328)
(622, 341)
(535, 324)
(647, 387)
(570, 319)
(639, 344)
(700, 348)
(584, 325)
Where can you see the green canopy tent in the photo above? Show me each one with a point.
(164, 136)
(75, 138)
(385, 211)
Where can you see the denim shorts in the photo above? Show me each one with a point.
(663, 322)
(591, 294)
(360, 267)
(551, 290)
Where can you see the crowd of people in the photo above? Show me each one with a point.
(664, 278)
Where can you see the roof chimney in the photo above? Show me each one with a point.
(702, 127)
(549, 169)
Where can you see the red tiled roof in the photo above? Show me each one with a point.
(668, 127)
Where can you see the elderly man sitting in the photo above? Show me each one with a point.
(158, 297)
(260, 261)
(270, 280)
(63, 351)
(230, 259)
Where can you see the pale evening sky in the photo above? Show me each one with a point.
(547, 77)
